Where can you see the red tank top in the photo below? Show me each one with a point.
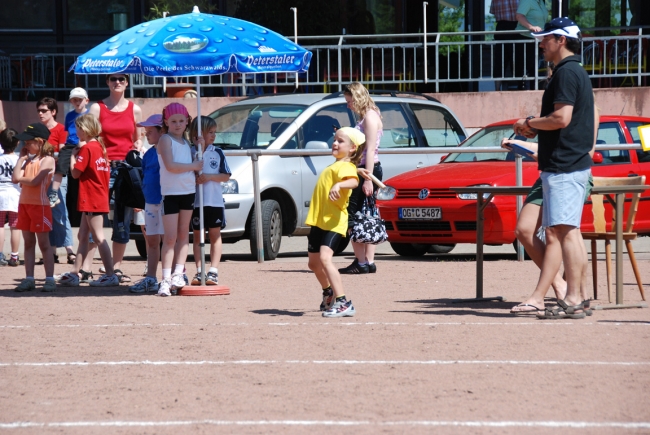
(117, 130)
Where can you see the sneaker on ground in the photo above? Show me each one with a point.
(49, 286)
(148, 284)
(372, 268)
(178, 281)
(328, 299)
(106, 281)
(197, 279)
(3, 260)
(69, 279)
(212, 278)
(14, 261)
(340, 309)
(165, 287)
(354, 269)
(85, 276)
(54, 199)
(26, 285)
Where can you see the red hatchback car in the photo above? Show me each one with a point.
(422, 215)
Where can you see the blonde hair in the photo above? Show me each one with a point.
(206, 124)
(361, 101)
(91, 126)
(46, 148)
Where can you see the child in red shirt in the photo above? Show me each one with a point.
(89, 164)
(34, 171)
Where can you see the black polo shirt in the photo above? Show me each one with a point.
(567, 149)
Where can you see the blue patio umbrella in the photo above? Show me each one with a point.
(196, 45)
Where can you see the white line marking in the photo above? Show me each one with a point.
(319, 324)
(496, 424)
(348, 362)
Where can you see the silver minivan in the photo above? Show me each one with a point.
(308, 121)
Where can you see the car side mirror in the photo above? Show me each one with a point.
(316, 145)
(597, 158)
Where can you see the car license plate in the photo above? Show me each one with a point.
(420, 213)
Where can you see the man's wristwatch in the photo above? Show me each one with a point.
(527, 123)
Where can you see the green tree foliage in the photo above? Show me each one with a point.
(451, 20)
(179, 7)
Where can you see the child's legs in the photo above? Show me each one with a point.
(153, 254)
(196, 248)
(170, 223)
(15, 239)
(82, 249)
(96, 225)
(316, 266)
(333, 276)
(46, 249)
(30, 252)
(182, 237)
(216, 246)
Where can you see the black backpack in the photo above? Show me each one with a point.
(127, 189)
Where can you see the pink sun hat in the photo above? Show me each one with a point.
(175, 109)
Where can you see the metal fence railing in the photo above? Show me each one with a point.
(394, 61)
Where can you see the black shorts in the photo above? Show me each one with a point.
(96, 213)
(318, 237)
(172, 204)
(63, 161)
(213, 217)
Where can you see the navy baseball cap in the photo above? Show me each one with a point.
(561, 26)
(33, 131)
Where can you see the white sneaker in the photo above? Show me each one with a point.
(68, 279)
(106, 281)
(147, 284)
(164, 288)
(177, 281)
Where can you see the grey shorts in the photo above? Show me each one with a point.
(564, 197)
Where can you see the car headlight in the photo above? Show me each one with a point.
(386, 193)
(230, 186)
(473, 195)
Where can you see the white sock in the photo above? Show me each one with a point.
(363, 264)
(214, 270)
(166, 273)
(14, 254)
(179, 269)
(198, 270)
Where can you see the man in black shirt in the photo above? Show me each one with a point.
(566, 135)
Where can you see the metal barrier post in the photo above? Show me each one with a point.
(520, 202)
(426, 58)
(255, 155)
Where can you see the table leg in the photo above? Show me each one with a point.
(480, 205)
(620, 203)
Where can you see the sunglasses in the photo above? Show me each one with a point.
(42, 110)
(118, 79)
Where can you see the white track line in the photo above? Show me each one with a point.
(490, 424)
(348, 362)
(319, 324)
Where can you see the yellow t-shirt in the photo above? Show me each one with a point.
(331, 215)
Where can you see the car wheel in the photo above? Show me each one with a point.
(345, 241)
(410, 249)
(441, 249)
(141, 245)
(271, 230)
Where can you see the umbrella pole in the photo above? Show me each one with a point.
(202, 237)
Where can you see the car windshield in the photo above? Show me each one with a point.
(488, 137)
(253, 126)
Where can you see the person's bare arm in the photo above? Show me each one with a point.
(524, 22)
(137, 137)
(559, 118)
(596, 125)
(371, 125)
(165, 151)
(348, 183)
(94, 110)
(47, 167)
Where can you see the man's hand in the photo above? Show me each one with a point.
(521, 129)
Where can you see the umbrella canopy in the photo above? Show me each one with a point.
(194, 44)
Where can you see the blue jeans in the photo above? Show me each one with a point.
(61, 234)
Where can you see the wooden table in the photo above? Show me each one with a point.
(481, 203)
(618, 203)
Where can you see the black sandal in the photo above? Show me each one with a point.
(582, 306)
(121, 276)
(71, 258)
